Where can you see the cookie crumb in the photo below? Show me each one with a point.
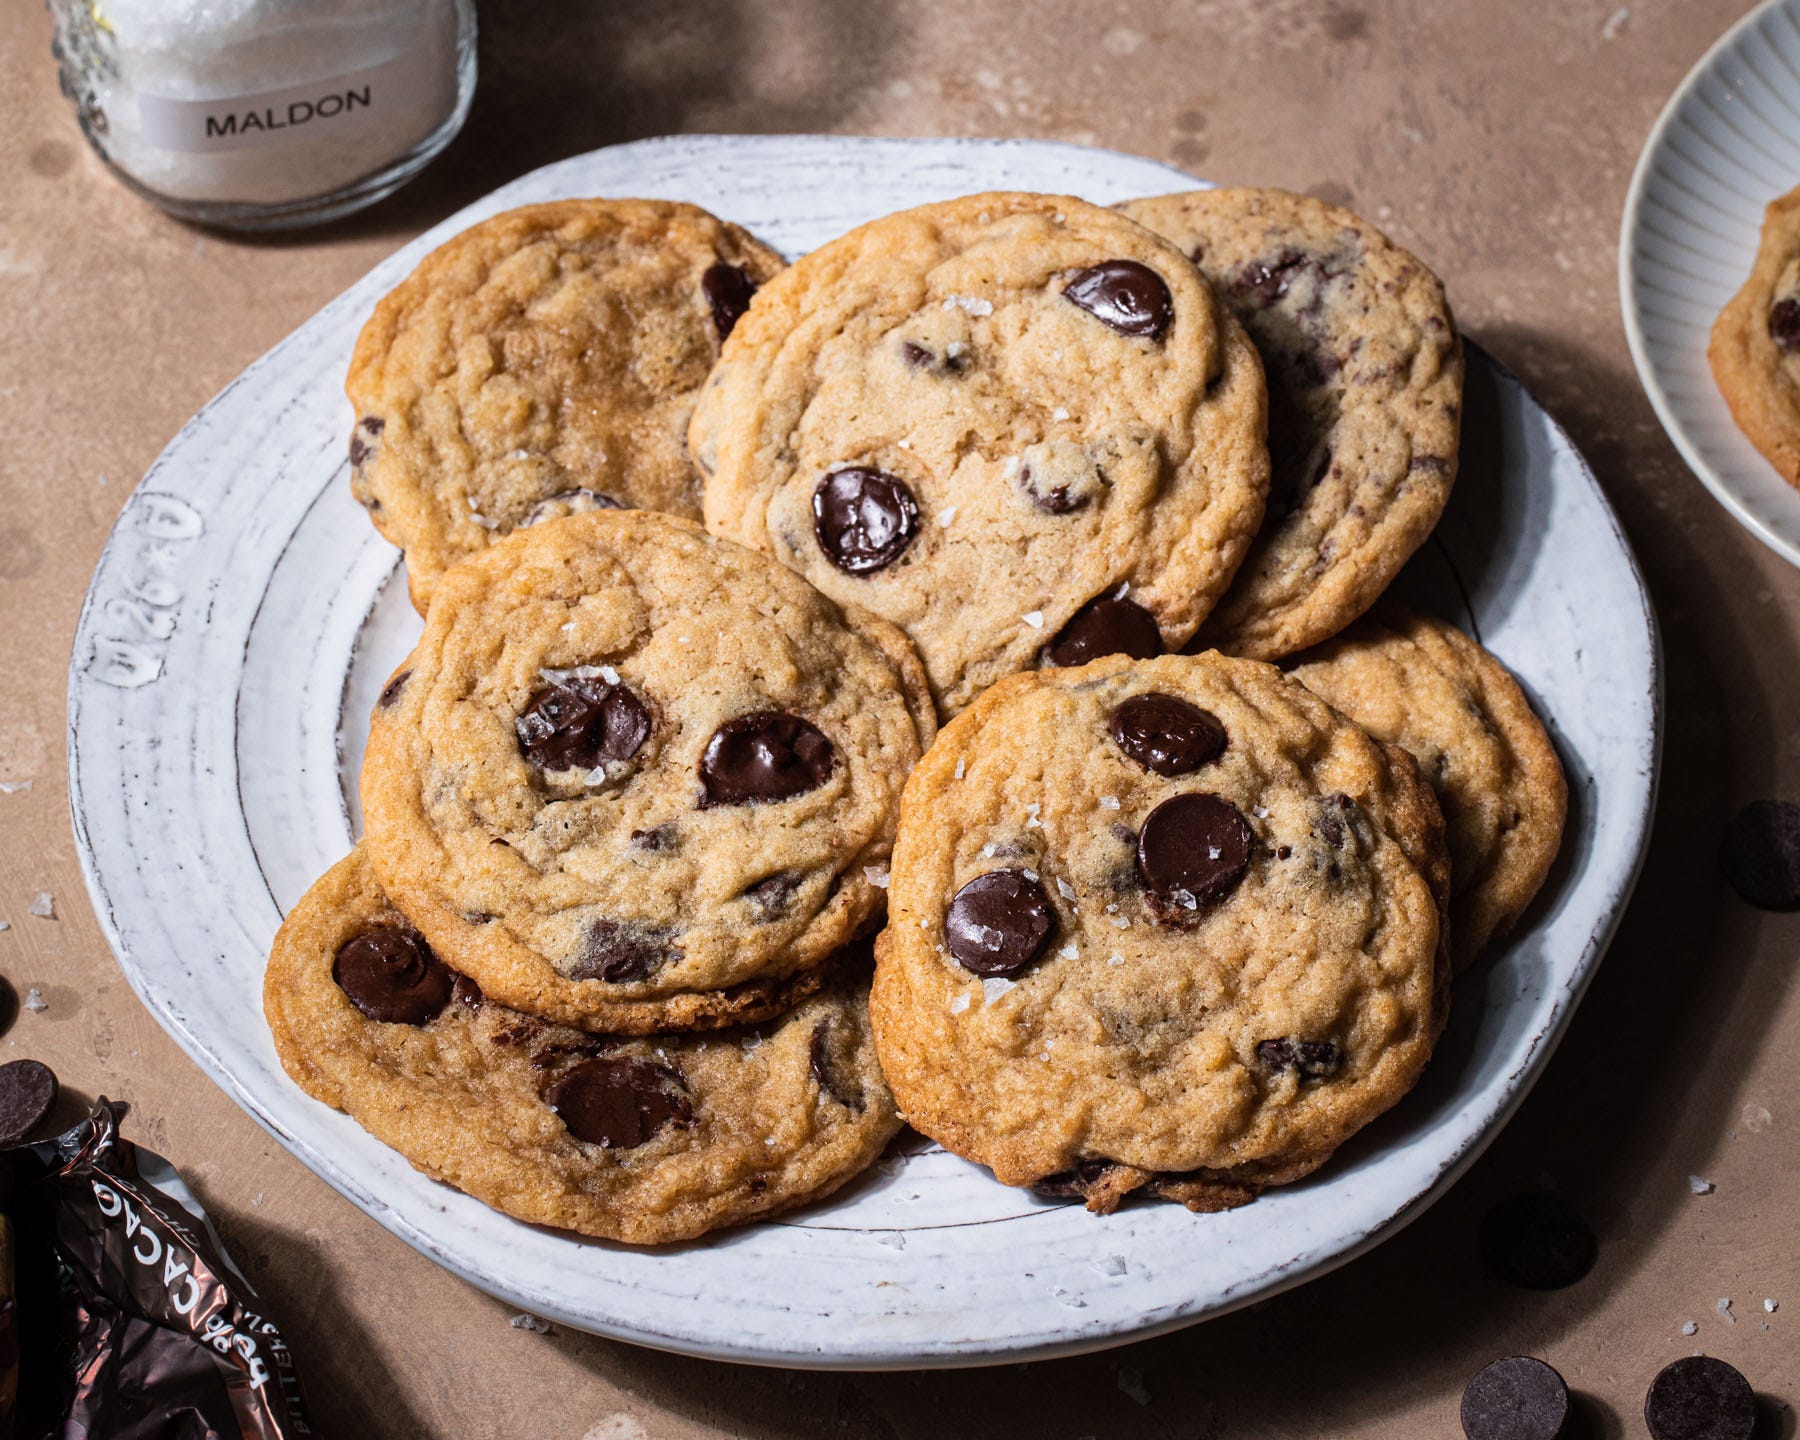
(1724, 1309)
(1700, 1186)
(536, 1326)
(1034, 618)
(42, 906)
(876, 875)
(35, 1002)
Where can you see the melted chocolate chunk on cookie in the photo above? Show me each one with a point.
(570, 502)
(1192, 851)
(1784, 324)
(1166, 734)
(390, 692)
(764, 756)
(27, 1091)
(619, 1102)
(1699, 1397)
(771, 896)
(621, 953)
(657, 839)
(465, 991)
(391, 975)
(1106, 626)
(581, 722)
(1263, 282)
(1338, 814)
(1537, 1241)
(831, 1058)
(1051, 499)
(1310, 1059)
(729, 289)
(863, 518)
(1517, 1398)
(999, 923)
(1124, 296)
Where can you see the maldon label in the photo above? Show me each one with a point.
(298, 112)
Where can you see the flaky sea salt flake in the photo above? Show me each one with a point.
(993, 987)
(959, 767)
(522, 1321)
(1069, 952)
(959, 1003)
(42, 906)
(1059, 413)
(1700, 1186)
(609, 675)
(973, 304)
(1111, 1265)
(1771, 1306)
(876, 875)
(1109, 802)
(35, 1002)
(1030, 875)
(15, 787)
(946, 515)
(1064, 888)
(1034, 618)
(1724, 1309)
(1115, 958)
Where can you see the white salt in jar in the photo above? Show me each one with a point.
(264, 114)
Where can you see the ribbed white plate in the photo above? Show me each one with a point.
(1727, 143)
(243, 615)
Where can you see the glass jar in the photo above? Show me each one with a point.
(266, 114)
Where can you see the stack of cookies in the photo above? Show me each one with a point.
(674, 901)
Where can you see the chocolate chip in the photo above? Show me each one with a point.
(728, 290)
(1537, 1241)
(665, 836)
(1166, 734)
(359, 451)
(864, 519)
(1051, 499)
(1313, 1059)
(916, 356)
(570, 502)
(618, 1102)
(1518, 1398)
(1192, 851)
(1262, 282)
(374, 424)
(953, 361)
(27, 1091)
(764, 756)
(1760, 850)
(1124, 296)
(1784, 324)
(580, 722)
(1700, 1398)
(999, 923)
(620, 953)
(831, 1059)
(770, 897)
(391, 975)
(1106, 626)
(1334, 813)
(390, 692)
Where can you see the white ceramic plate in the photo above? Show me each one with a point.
(244, 614)
(1728, 143)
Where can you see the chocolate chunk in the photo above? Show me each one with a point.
(1192, 851)
(916, 356)
(1106, 626)
(1518, 1398)
(1431, 464)
(390, 692)
(618, 1102)
(1700, 1398)
(1760, 850)
(1073, 1184)
(1537, 1241)
(658, 838)
(832, 1058)
(359, 451)
(999, 923)
(864, 519)
(1166, 734)
(764, 756)
(620, 953)
(1051, 499)
(1334, 813)
(1262, 282)
(374, 424)
(771, 896)
(570, 502)
(465, 991)
(391, 975)
(1314, 1059)
(580, 722)
(953, 361)
(1124, 296)
(27, 1091)
(1784, 324)
(728, 290)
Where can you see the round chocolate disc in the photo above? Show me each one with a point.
(619, 1101)
(1537, 1241)
(1518, 1398)
(27, 1091)
(1192, 851)
(391, 975)
(1760, 851)
(864, 519)
(1106, 627)
(765, 755)
(1700, 1398)
(999, 923)
(1125, 296)
(1166, 734)
(580, 722)
(728, 290)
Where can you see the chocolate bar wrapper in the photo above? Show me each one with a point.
(135, 1322)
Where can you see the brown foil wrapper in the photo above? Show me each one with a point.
(129, 1320)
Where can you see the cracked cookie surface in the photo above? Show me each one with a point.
(638, 778)
(1172, 925)
(1755, 347)
(979, 419)
(1365, 373)
(542, 362)
(645, 1141)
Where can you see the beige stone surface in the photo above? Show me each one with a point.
(1494, 140)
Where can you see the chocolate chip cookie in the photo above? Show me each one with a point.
(1755, 347)
(1425, 686)
(1017, 426)
(638, 778)
(1171, 925)
(543, 362)
(645, 1141)
(1365, 374)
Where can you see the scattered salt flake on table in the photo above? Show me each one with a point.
(946, 515)
(1131, 1381)
(1067, 1297)
(1771, 1306)
(1699, 1185)
(1069, 952)
(876, 875)
(1688, 1327)
(536, 1326)
(1724, 1309)
(959, 1003)
(15, 787)
(1064, 888)
(1111, 1265)
(42, 906)
(993, 987)
(255, 1199)
(1615, 22)
(1034, 618)
(34, 1000)
(1109, 802)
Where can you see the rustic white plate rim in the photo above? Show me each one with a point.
(1016, 1328)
